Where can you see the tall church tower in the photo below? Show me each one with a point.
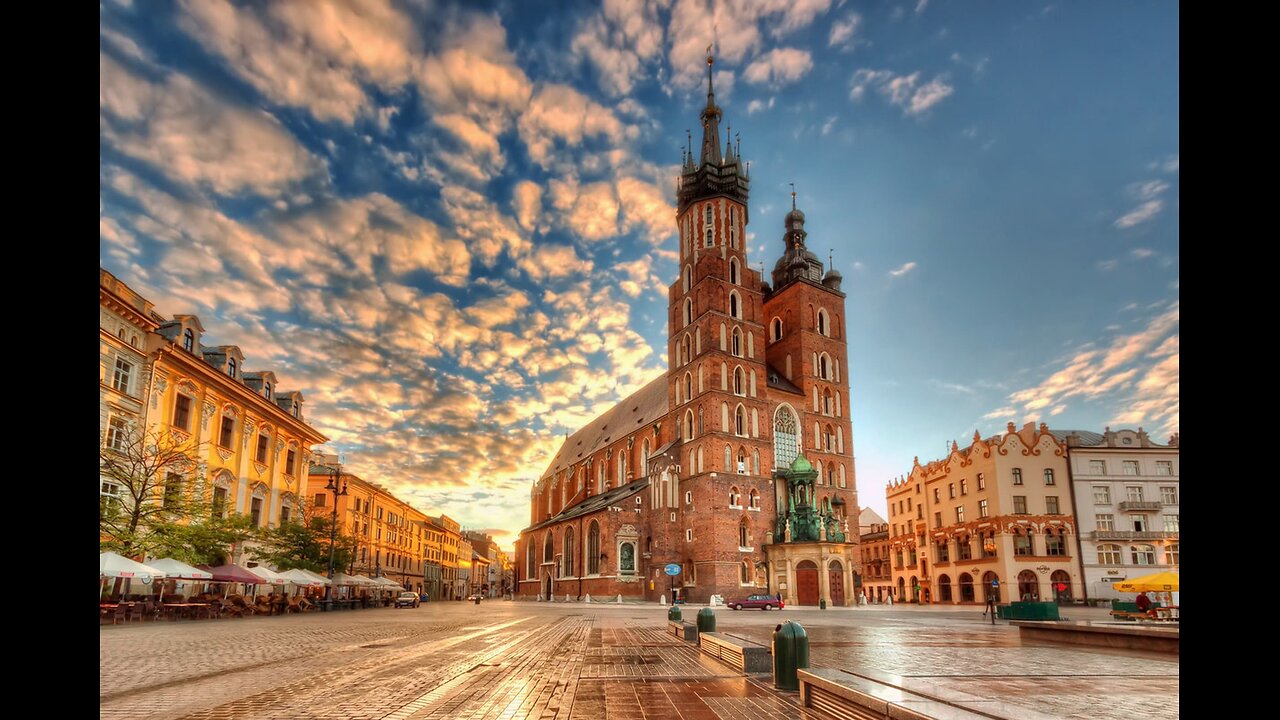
(717, 380)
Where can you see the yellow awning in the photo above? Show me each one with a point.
(1159, 582)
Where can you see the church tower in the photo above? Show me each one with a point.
(717, 379)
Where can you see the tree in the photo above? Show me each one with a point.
(303, 543)
(204, 542)
(151, 471)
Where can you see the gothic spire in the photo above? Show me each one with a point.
(710, 119)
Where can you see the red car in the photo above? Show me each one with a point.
(765, 602)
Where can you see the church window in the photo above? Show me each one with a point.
(824, 325)
(824, 366)
(741, 467)
(775, 330)
(688, 425)
(688, 386)
(735, 305)
(644, 458)
(740, 421)
(739, 381)
(737, 343)
(188, 340)
(754, 500)
(593, 548)
(567, 557)
(733, 271)
(708, 207)
(688, 278)
(786, 437)
(688, 312)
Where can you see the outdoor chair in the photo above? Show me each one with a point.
(120, 615)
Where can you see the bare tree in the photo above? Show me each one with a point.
(153, 471)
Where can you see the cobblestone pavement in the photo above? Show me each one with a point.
(510, 660)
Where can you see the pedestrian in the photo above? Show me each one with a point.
(991, 605)
(1143, 602)
(779, 597)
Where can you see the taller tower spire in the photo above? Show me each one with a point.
(710, 119)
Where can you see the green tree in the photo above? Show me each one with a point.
(204, 542)
(303, 543)
(150, 472)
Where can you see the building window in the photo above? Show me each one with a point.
(964, 487)
(739, 382)
(569, 554)
(937, 520)
(1140, 523)
(285, 513)
(1022, 545)
(688, 312)
(1143, 554)
(1048, 476)
(227, 432)
(1164, 467)
(108, 497)
(733, 270)
(117, 434)
(743, 533)
(120, 379)
(964, 551)
(1109, 555)
(982, 508)
(1130, 467)
(188, 340)
(255, 512)
(1051, 505)
(1017, 476)
(1101, 495)
(1053, 544)
(231, 367)
(951, 490)
(1097, 467)
(1020, 504)
(627, 558)
(824, 326)
(776, 329)
(219, 502)
(1169, 495)
(1171, 523)
(959, 513)
(824, 367)
(1105, 522)
(1133, 493)
(740, 421)
(943, 555)
(688, 497)
(736, 347)
(937, 495)
(593, 548)
(754, 500)
(264, 443)
(290, 459)
(182, 412)
(982, 481)
(1171, 554)
(172, 491)
(266, 390)
(688, 536)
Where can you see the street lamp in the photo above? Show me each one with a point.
(335, 475)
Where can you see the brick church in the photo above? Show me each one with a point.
(737, 463)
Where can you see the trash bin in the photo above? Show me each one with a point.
(674, 614)
(790, 653)
(477, 599)
(822, 604)
(706, 620)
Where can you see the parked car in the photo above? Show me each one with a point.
(407, 599)
(765, 602)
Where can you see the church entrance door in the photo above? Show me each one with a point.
(807, 583)
(835, 574)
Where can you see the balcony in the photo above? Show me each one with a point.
(1133, 535)
(1140, 505)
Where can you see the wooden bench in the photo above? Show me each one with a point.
(747, 657)
(684, 630)
(871, 696)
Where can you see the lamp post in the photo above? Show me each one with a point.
(335, 476)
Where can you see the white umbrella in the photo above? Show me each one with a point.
(180, 570)
(118, 566)
(387, 584)
(298, 576)
(270, 576)
(318, 577)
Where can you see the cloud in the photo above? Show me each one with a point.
(1137, 374)
(904, 91)
(526, 200)
(1142, 253)
(196, 138)
(620, 41)
(906, 268)
(829, 125)
(920, 6)
(560, 116)
(778, 67)
(756, 106)
(843, 32)
(1150, 202)
(1108, 265)
(737, 31)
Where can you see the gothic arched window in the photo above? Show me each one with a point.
(775, 330)
(737, 343)
(593, 548)
(786, 437)
(824, 325)
(735, 305)
(733, 270)
(740, 421)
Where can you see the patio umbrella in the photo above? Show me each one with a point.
(111, 565)
(387, 584)
(176, 569)
(356, 580)
(268, 575)
(1159, 582)
(233, 573)
(298, 576)
(318, 577)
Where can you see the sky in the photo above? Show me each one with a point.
(451, 224)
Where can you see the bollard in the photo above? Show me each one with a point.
(822, 604)
(790, 653)
(477, 599)
(706, 620)
(674, 614)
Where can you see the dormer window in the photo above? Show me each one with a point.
(295, 408)
(231, 367)
(266, 390)
(188, 340)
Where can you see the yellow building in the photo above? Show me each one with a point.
(389, 533)
(252, 444)
(994, 518)
(449, 567)
(433, 559)
(125, 318)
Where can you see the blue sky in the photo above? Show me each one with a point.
(450, 224)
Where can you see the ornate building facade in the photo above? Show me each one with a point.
(992, 518)
(692, 469)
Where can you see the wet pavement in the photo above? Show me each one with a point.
(532, 660)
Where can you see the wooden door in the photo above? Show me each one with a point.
(807, 583)
(836, 578)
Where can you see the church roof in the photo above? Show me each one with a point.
(646, 405)
(778, 381)
(594, 503)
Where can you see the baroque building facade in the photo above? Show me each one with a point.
(994, 518)
(693, 468)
